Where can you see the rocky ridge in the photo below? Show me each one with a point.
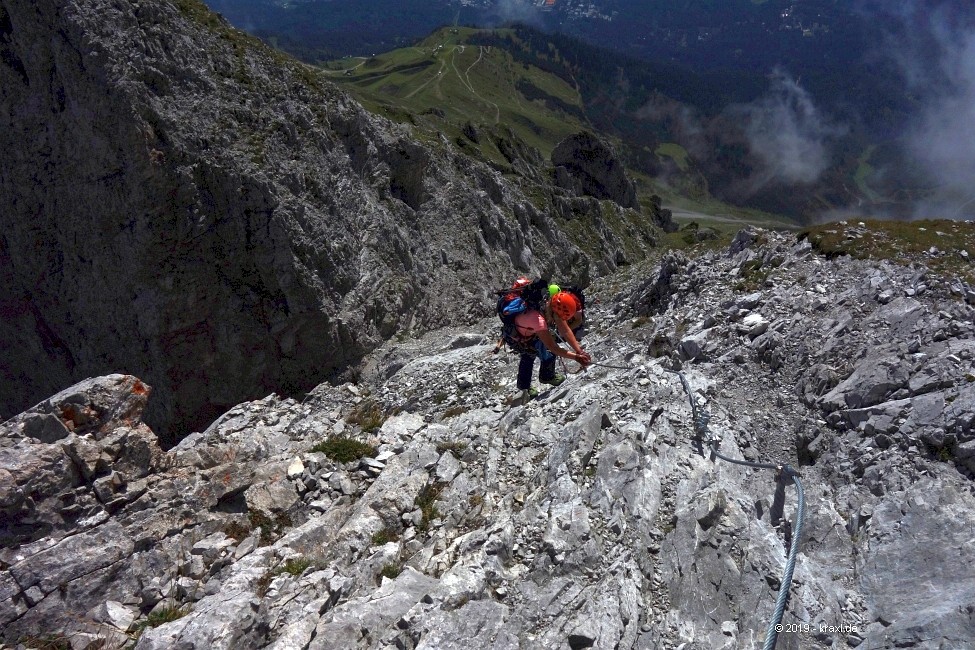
(182, 203)
(587, 518)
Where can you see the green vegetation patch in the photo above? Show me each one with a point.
(446, 81)
(863, 173)
(426, 502)
(391, 571)
(943, 453)
(270, 528)
(294, 566)
(47, 642)
(385, 536)
(456, 447)
(159, 617)
(369, 415)
(454, 411)
(676, 153)
(753, 275)
(243, 44)
(198, 12)
(902, 242)
(345, 450)
(237, 530)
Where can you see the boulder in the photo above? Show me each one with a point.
(872, 382)
(586, 166)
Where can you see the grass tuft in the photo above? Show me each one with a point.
(385, 536)
(753, 275)
(293, 566)
(270, 528)
(47, 642)
(345, 450)
(156, 618)
(426, 502)
(454, 411)
(368, 414)
(236, 530)
(391, 571)
(296, 566)
(456, 447)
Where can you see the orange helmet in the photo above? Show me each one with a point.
(521, 282)
(565, 305)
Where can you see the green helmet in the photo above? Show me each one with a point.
(553, 289)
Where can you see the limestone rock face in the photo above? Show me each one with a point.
(182, 203)
(440, 513)
(585, 165)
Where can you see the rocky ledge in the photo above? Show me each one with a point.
(419, 509)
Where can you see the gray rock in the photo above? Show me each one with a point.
(585, 165)
(694, 347)
(592, 516)
(212, 546)
(485, 620)
(931, 594)
(225, 620)
(742, 241)
(272, 498)
(372, 466)
(115, 614)
(750, 301)
(245, 547)
(754, 325)
(447, 467)
(340, 628)
(873, 380)
(97, 405)
(296, 468)
(45, 428)
(467, 340)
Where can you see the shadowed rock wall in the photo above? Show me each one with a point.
(181, 203)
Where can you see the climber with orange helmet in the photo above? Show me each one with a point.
(565, 308)
(526, 331)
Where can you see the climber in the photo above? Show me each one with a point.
(526, 331)
(566, 309)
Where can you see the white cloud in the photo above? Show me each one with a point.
(521, 11)
(787, 133)
(943, 138)
(934, 45)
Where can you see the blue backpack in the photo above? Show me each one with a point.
(512, 302)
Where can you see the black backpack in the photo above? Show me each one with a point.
(512, 302)
(577, 292)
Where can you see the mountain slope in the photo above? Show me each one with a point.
(183, 203)
(444, 81)
(419, 509)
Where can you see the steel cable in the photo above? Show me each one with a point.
(606, 365)
(771, 635)
(701, 419)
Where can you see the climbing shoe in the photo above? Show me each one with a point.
(524, 396)
(554, 381)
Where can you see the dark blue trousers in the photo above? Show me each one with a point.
(546, 370)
